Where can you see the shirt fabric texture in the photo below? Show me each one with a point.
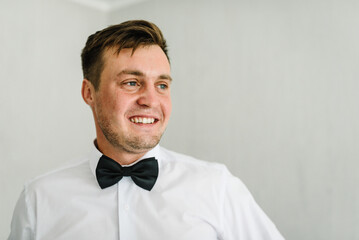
(192, 199)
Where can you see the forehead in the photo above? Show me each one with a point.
(148, 59)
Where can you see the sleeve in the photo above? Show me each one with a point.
(242, 218)
(23, 220)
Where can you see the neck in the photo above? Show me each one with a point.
(121, 156)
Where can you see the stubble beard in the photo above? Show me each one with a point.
(125, 141)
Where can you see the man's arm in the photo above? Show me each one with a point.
(242, 218)
(23, 220)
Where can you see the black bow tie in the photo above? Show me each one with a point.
(144, 173)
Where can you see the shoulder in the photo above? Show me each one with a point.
(59, 178)
(199, 170)
(185, 161)
(209, 173)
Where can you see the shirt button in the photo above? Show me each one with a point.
(127, 207)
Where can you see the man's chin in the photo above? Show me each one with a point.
(142, 144)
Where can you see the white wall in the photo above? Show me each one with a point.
(267, 87)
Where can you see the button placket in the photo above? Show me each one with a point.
(125, 195)
(119, 210)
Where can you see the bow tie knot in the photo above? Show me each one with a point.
(126, 171)
(144, 173)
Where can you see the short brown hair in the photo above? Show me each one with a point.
(129, 34)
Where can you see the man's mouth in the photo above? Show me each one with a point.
(143, 120)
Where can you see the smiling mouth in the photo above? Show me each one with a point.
(143, 120)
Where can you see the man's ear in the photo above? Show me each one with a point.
(88, 92)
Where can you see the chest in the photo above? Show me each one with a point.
(123, 212)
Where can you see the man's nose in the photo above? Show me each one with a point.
(148, 96)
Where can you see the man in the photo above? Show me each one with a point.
(129, 187)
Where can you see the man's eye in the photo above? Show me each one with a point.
(132, 84)
(163, 86)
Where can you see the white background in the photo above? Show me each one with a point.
(270, 88)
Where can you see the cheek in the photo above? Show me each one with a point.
(168, 106)
(116, 102)
(110, 105)
(122, 104)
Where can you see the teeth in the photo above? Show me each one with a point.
(142, 120)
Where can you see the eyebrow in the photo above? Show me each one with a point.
(141, 74)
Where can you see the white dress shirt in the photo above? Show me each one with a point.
(191, 199)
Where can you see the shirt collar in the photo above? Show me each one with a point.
(95, 154)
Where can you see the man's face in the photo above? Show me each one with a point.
(133, 104)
